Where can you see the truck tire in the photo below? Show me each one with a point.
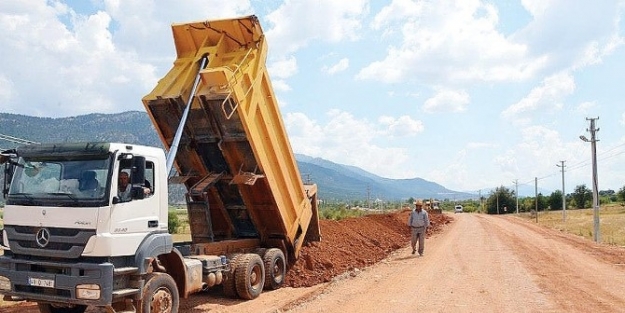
(51, 308)
(229, 285)
(160, 294)
(250, 276)
(275, 268)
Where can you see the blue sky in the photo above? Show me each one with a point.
(469, 94)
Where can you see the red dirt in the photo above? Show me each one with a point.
(346, 245)
(354, 243)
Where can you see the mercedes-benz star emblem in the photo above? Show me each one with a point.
(43, 237)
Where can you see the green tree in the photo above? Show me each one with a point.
(526, 204)
(581, 195)
(543, 202)
(504, 197)
(555, 200)
(621, 193)
(173, 222)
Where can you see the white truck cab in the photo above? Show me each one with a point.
(68, 237)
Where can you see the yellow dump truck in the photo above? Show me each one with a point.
(76, 235)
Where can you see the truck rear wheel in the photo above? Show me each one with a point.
(275, 268)
(250, 276)
(160, 294)
(52, 308)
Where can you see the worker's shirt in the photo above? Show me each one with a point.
(124, 195)
(419, 219)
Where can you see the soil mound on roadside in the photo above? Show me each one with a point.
(354, 243)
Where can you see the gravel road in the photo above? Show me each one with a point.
(479, 263)
(487, 264)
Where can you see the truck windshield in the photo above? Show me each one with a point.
(60, 179)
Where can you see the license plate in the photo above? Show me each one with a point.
(40, 282)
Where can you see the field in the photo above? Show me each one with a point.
(581, 222)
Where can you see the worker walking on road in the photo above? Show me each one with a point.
(419, 222)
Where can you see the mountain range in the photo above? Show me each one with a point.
(335, 182)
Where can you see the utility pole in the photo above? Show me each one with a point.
(498, 201)
(563, 194)
(536, 194)
(516, 193)
(595, 186)
(368, 197)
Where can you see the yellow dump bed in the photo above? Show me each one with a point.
(234, 155)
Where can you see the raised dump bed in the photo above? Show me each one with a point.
(234, 157)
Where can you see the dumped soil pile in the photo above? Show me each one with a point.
(354, 243)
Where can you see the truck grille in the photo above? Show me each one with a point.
(48, 241)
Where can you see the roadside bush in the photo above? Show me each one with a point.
(338, 214)
(173, 222)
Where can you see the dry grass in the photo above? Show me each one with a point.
(581, 222)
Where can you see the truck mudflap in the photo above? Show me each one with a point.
(72, 283)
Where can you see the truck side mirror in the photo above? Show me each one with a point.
(137, 193)
(137, 177)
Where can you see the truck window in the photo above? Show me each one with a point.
(59, 179)
(125, 189)
(149, 176)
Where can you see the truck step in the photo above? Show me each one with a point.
(125, 292)
(125, 270)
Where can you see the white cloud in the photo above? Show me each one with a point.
(347, 140)
(103, 62)
(280, 85)
(296, 23)
(549, 95)
(280, 71)
(340, 66)
(536, 155)
(456, 173)
(585, 107)
(283, 68)
(447, 41)
(478, 145)
(6, 90)
(397, 11)
(446, 100)
(145, 25)
(404, 126)
(596, 31)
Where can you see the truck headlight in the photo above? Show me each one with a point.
(5, 283)
(88, 291)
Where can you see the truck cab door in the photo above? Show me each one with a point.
(140, 213)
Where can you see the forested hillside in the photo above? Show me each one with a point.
(336, 182)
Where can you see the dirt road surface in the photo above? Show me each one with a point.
(477, 263)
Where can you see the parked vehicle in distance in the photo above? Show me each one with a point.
(458, 208)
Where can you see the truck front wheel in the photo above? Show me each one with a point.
(160, 294)
(249, 276)
(275, 268)
(53, 308)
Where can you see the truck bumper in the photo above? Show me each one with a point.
(72, 283)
